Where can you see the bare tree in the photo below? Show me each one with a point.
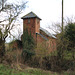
(8, 14)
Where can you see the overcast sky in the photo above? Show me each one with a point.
(50, 10)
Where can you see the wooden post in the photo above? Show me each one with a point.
(62, 16)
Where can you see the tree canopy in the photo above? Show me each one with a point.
(70, 32)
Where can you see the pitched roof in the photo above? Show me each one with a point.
(49, 34)
(42, 36)
(30, 15)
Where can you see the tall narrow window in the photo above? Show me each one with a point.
(28, 20)
(37, 21)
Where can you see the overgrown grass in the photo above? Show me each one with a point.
(6, 70)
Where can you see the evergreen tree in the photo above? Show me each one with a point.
(28, 45)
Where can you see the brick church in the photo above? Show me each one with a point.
(32, 22)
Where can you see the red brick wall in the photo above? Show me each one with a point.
(40, 39)
(31, 25)
(50, 43)
(34, 26)
(37, 26)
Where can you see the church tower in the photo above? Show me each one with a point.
(32, 22)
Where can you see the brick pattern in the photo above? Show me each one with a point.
(33, 25)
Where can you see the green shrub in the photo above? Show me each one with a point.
(28, 45)
(26, 55)
(15, 44)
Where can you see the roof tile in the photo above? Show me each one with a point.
(30, 15)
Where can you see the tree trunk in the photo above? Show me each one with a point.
(2, 47)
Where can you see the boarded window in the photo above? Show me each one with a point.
(28, 20)
(37, 21)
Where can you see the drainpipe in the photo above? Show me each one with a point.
(36, 39)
